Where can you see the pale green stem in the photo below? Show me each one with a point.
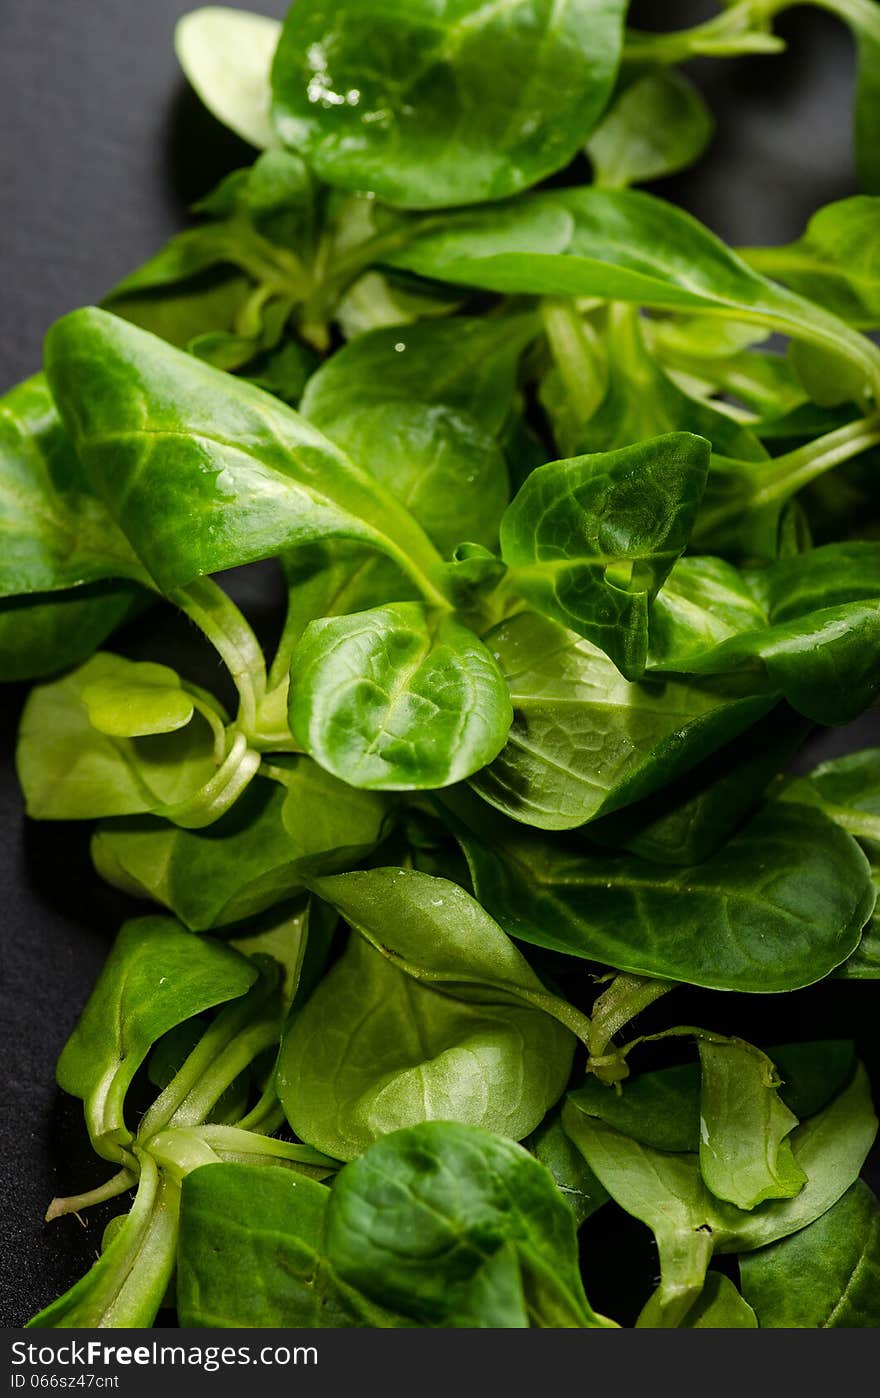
(267, 1114)
(73, 1203)
(236, 1141)
(215, 723)
(626, 997)
(576, 354)
(225, 1029)
(787, 474)
(180, 1151)
(730, 33)
(248, 322)
(221, 792)
(205, 1094)
(217, 616)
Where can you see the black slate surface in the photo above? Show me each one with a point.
(102, 150)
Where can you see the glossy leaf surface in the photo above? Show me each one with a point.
(397, 698)
(54, 532)
(584, 741)
(591, 540)
(203, 471)
(410, 103)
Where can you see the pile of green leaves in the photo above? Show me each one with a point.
(574, 560)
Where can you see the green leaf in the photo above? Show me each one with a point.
(667, 1193)
(662, 1109)
(431, 1013)
(227, 55)
(847, 789)
(138, 699)
(416, 1222)
(574, 1179)
(397, 698)
(642, 401)
(373, 1050)
(450, 102)
(156, 976)
(251, 1253)
(832, 262)
(745, 1150)
(778, 907)
(584, 741)
(70, 771)
(447, 471)
(719, 1307)
(686, 822)
(204, 471)
(657, 124)
(592, 540)
(127, 1284)
(45, 632)
(807, 621)
(826, 1276)
(461, 362)
(618, 245)
(250, 859)
(54, 533)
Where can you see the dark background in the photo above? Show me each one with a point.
(102, 150)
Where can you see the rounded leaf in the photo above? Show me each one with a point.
(398, 698)
(431, 103)
(227, 55)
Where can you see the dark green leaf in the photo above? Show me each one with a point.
(662, 1109)
(825, 1276)
(778, 907)
(574, 1179)
(418, 1220)
(666, 1192)
(54, 533)
(618, 245)
(45, 632)
(252, 1253)
(592, 540)
(451, 102)
(687, 821)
